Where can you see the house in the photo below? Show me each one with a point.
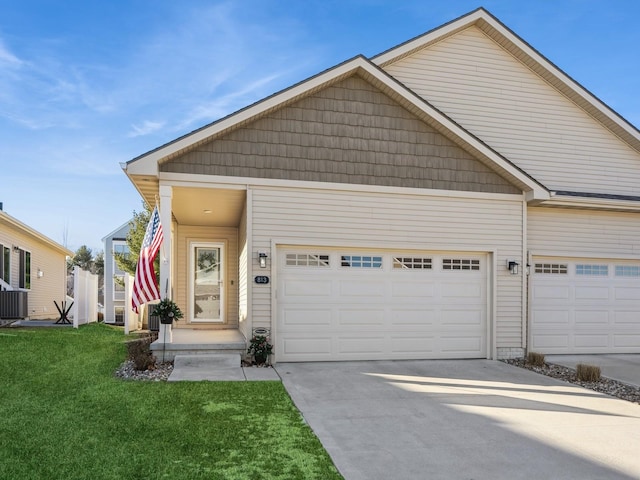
(114, 294)
(33, 271)
(457, 196)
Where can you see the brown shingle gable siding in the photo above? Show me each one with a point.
(347, 133)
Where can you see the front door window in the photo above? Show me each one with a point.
(207, 283)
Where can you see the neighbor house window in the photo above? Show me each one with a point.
(119, 314)
(118, 287)
(5, 263)
(25, 270)
(120, 248)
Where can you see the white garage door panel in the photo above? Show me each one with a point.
(362, 317)
(293, 317)
(591, 317)
(327, 310)
(412, 318)
(585, 306)
(415, 344)
(309, 288)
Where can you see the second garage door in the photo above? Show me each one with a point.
(344, 304)
(585, 306)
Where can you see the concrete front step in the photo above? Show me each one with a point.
(217, 367)
(208, 361)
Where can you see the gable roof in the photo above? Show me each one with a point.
(530, 57)
(143, 170)
(118, 230)
(18, 225)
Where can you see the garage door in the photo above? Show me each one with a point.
(342, 304)
(585, 306)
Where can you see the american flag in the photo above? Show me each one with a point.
(145, 287)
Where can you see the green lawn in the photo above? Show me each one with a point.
(63, 415)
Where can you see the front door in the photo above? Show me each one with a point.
(207, 282)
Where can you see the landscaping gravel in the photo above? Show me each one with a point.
(160, 373)
(604, 385)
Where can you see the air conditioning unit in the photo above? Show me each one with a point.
(14, 304)
(153, 321)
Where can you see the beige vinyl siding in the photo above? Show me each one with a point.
(392, 221)
(494, 96)
(583, 233)
(227, 235)
(348, 133)
(44, 290)
(243, 276)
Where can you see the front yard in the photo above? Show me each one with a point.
(64, 415)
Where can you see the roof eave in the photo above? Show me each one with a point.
(35, 234)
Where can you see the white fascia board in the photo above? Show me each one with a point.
(245, 183)
(435, 35)
(592, 203)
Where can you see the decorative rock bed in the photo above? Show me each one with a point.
(604, 385)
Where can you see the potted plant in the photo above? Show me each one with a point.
(260, 348)
(167, 310)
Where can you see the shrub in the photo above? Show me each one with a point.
(535, 359)
(139, 351)
(587, 373)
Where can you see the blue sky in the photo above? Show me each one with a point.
(87, 85)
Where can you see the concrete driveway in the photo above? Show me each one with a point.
(464, 419)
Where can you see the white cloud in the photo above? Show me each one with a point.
(146, 128)
(7, 58)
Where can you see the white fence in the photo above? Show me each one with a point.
(85, 301)
(132, 320)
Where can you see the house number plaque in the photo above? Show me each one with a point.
(261, 279)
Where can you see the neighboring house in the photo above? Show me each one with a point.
(457, 196)
(31, 266)
(114, 294)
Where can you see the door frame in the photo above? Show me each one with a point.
(191, 289)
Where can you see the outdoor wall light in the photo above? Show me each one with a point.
(513, 267)
(262, 258)
(16, 248)
(40, 273)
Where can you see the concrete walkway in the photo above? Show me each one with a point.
(465, 419)
(624, 368)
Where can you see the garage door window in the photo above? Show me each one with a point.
(460, 264)
(361, 261)
(627, 271)
(307, 260)
(412, 263)
(593, 270)
(554, 268)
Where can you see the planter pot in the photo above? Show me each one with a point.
(166, 320)
(260, 359)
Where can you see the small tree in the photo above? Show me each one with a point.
(137, 228)
(83, 258)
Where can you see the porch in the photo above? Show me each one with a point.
(188, 341)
